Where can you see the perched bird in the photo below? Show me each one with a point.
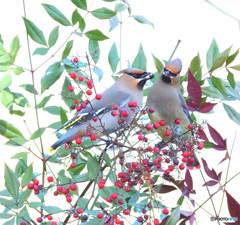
(128, 88)
(169, 104)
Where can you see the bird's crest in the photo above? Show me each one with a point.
(174, 66)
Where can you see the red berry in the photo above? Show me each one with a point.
(75, 60)
(99, 215)
(79, 211)
(167, 172)
(59, 188)
(140, 219)
(115, 107)
(73, 75)
(114, 196)
(134, 164)
(124, 112)
(78, 108)
(109, 199)
(93, 137)
(80, 78)
(184, 159)
(126, 212)
(101, 185)
(117, 221)
(55, 193)
(88, 92)
(102, 181)
(151, 110)
(177, 121)
(127, 189)
(181, 166)
(190, 126)
(49, 217)
(64, 191)
(114, 113)
(160, 158)
(53, 223)
(156, 222)
(167, 133)
(130, 104)
(39, 219)
(171, 168)
(89, 82)
(164, 151)
(98, 96)
(162, 122)
(50, 179)
(134, 104)
(185, 154)
(23, 223)
(155, 149)
(165, 211)
(78, 141)
(156, 125)
(167, 160)
(73, 165)
(120, 201)
(69, 199)
(71, 88)
(145, 162)
(73, 187)
(200, 145)
(191, 161)
(121, 174)
(140, 137)
(30, 186)
(149, 126)
(200, 129)
(67, 146)
(149, 148)
(36, 182)
(89, 133)
(75, 215)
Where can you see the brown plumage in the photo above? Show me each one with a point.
(169, 104)
(128, 88)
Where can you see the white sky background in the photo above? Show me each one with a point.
(195, 23)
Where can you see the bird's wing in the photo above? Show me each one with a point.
(184, 107)
(98, 107)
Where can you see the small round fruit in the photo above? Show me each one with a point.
(80, 78)
(30, 186)
(126, 212)
(75, 59)
(156, 125)
(114, 196)
(165, 211)
(78, 141)
(190, 126)
(162, 122)
(101, 185)
(149, 126)
(178, 121)
(167, 133)
(99, 215)
(39, 219)
(98, 96)
(151, 110)
(181, 167)
(73, 75)
(93, 137)
(50, 179)
(79, 211)
(49, 217)
(70, 88)
(36, 182)
(167, 172)
(88, 92)
(73, 187)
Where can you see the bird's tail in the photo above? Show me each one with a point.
(69, 136)
(196, 163)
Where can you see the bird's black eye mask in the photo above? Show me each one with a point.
(168, 73)
(143, 75)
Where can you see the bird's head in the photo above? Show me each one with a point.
(171, 72)
(135, 77)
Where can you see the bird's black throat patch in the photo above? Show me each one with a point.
(166, 79)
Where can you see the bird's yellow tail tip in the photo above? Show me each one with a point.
(50, 150)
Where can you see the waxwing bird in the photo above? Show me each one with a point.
(128, 88)
(169, 104)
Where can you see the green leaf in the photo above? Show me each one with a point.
(159, 65)
(11, 182)
(105, 192)
(27, 177)
(75, 16)
(69, 62)
(34, 32)
(18, 70)
(5, 80)
(24, 214)
(52, 209)
(5, 59)
(35, 204)
(81, 22)
(10, 222)
(50, 78)
(44, 102)
(77, 170)
(38, 133)
(92, 167)
(8, 130)
(236, 67)
(109, 0)
(232, 113)
(98, 71)
(113, 58)
(55, 110)
(56, 14)
(217, 83)
(103, 13)
(25, 195)
(55, 125)
(95, 221)
(212, 54)
(4, 68)
(14, 47)
(143, 20)
(140, 61)
(96, 35)
(67, 49)
(17, 112)
(5, 215)
(220, 59)
(20, 100)
(195, 64)
(134, 198)
(174, 217)
(29, 88)
(7, 98)
(82, 4)
(114, 21)
(231, 57)
(53, 37)
(40, 51)
(120, 7)
(94, 50)
(16, 142)
(231, 79)
(20, 155)
(63, 116)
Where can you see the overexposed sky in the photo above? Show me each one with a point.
(194, 22)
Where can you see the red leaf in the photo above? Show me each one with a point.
(166, 188)
(191, 220)
(191, 106)
(233, 206)
(221, 144)
(188, 179)
(203, 136)
(225, 158)
(164, 221)
(206, 107)
(210, 173)
(194, 90)
(210, 183)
